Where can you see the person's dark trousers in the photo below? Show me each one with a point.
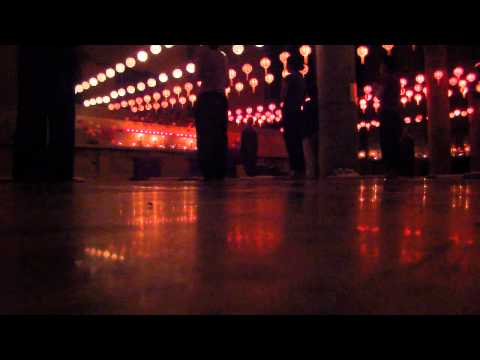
(390, 130)
(211, 123)
(294, 141)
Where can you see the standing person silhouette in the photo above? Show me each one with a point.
(390, 129)
(293, 97)
(211, 112)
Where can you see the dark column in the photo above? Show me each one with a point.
(439, 138)
(44, 137)
(474, 132)
(337, 113)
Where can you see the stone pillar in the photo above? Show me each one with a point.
(337, 114)
(474, 132)
(45, 131)
(439, 137)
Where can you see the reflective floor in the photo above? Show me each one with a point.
(265, 246)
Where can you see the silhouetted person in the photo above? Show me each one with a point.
(407, 153)
(293, 97)
(249, 149)
(390, 128)
(211, 112)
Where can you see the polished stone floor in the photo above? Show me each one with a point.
(265, 246)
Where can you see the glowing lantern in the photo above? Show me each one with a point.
(232, 74)
(453, 81)
(147, 98)
(470, 110)
(458, 71)
(418, 87)
(388, 48)
(438, 75)
(172, 101)
(376, 105)
(142, 56)
(148, 107)
(78, 89)
(265, 64)
(462, 83)
(188, 88)
(121, 92)
(111, 107)
(253, 83)
(131, 102)
(156, 106)
(130, 62)
(199, 83)
(477, 88)
(404, 100)
(284, 58)
(86, 103)
(418, 118)
(151, 82)
(362, 52)
(120, 68)
(471, 77)
(285, 73)
(227, 91)
(190, 68)
(114, 94)
(164, 104)
(363, 105)
(156, 49)
(106, 99)
(367, 89)
(269, 78)
(182, 100)
(238, 49)
(139, 100)
(141, 86)
(260, 108)
(407, 120)
(418, 98)
(305, 51)
(420, 78)
(156, 96)
(464, 113)
(403, 82)
(166, 93)
(457, 112)
(450, 93)
(192, 98)
(101, 77)
(124, 104)
(177, 73)
(464, 91)
(130, 89)
(177, 90)
(163, 77)
(409, 94)
(239, 87)
(247, 69)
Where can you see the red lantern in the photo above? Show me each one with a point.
(438, 75)
(247, 69)
(471, 77)
(453, 81)
(420, 78)
(388, 48)
(458, 71)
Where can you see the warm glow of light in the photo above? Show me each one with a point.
(239, 87)
(155, 49)
(265, 63)
(166, 93)
(438, 75)
(238, 49)
(130, 89)
(192, 98)
(190, 68)
(141, 86)
(247, 69)
(420, 78)
(163, 77)
(458, 71)
(253, 83)
(471, 77)
(388, 48)
(362, 52)
(130, 62)
(305, 51)
(110, 73)
(177, 73)
(101, 77)
(142, 56)
(156, 96)
(120, 68)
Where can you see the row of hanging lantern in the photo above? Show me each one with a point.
(258, 115)
(119, 68)
(142, 86)
(363, 51)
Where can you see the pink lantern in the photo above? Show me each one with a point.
(403, 82)
(247, 69)
(418, 118)
(192, 98)
(177, 90)
(239, 87)
(253, 83)
(367, 89)
(188, 88)
(404, 100)
(232, 74)
(407, 120)
(458, 71)
(438, 75)
(362, 52)
(265, 64)
(420, 78)
(471, 77)
(388, 48)
(156, 96)
(305, 51)
(182, 100)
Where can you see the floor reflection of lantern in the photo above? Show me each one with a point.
(305, 51)
(269, 78)
(239, 87)
(388, 48)
(188, 88)
(265, 63)
(232, 74)
(253, 83)
(362, 52)
(247, 69)
(284, 58)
